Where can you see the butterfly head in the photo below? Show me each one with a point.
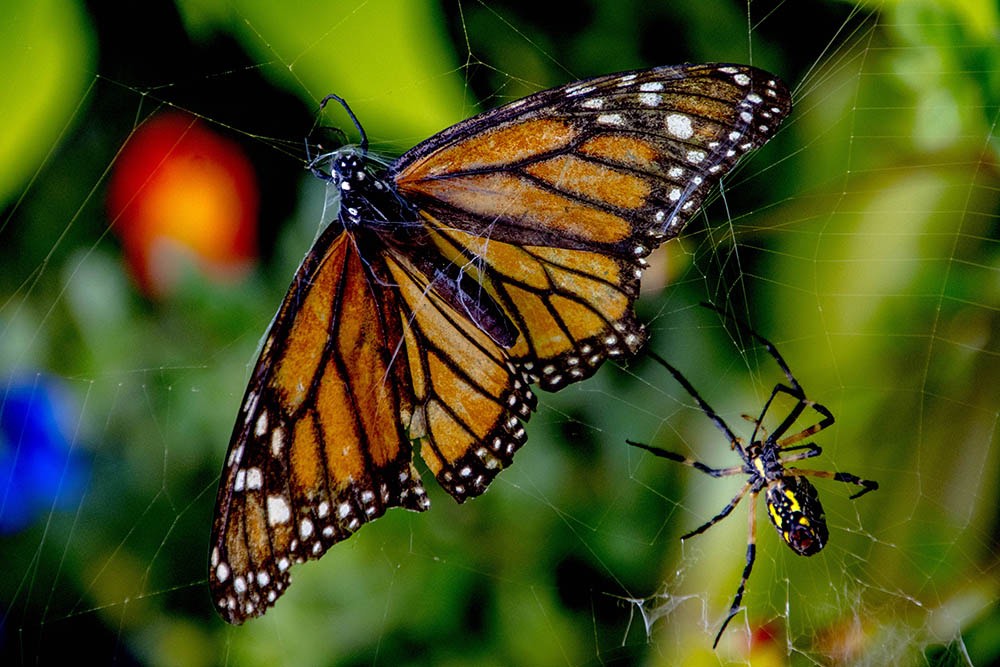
(345, 169)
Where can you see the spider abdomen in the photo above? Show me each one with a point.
(794, 507)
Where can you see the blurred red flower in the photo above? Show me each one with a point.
(183, 196)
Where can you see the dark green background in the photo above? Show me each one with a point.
(863, 240)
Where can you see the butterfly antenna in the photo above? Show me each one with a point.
(342, 102)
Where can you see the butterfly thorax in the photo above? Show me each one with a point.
(366, 198)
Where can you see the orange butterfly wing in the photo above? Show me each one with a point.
(319, 447)
(555, 199)
(470, 397)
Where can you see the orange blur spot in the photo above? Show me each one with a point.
(181, 195)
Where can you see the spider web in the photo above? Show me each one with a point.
(862, 241)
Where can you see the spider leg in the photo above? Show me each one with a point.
(758, 427)
(735, 442)
(793, 415)
(697, 465)
(725, 510)
(811, 450)
(822, 424)
(768, 345)
(794, 390)
(801, 403)
(845, 477)
(747, 569)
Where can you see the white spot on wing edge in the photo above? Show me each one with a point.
(278, 510)
(249, 406)
(305, 529)
(579, 89)
(260, 428)
(649, 99)
(679, 125)
(695, 156)
(255, 478)
(277, 441)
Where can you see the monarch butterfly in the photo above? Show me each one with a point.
(503, 252)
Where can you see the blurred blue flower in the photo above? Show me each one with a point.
(39, 468)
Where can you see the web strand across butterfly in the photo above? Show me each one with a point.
(503, 252)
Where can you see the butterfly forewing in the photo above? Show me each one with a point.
(608, 168)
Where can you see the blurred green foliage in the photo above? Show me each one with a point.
(863, 241)
(48, 56)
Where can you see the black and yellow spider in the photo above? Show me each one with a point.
(792, 501)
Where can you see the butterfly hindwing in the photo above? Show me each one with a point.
(470, 398)
(573, 307)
